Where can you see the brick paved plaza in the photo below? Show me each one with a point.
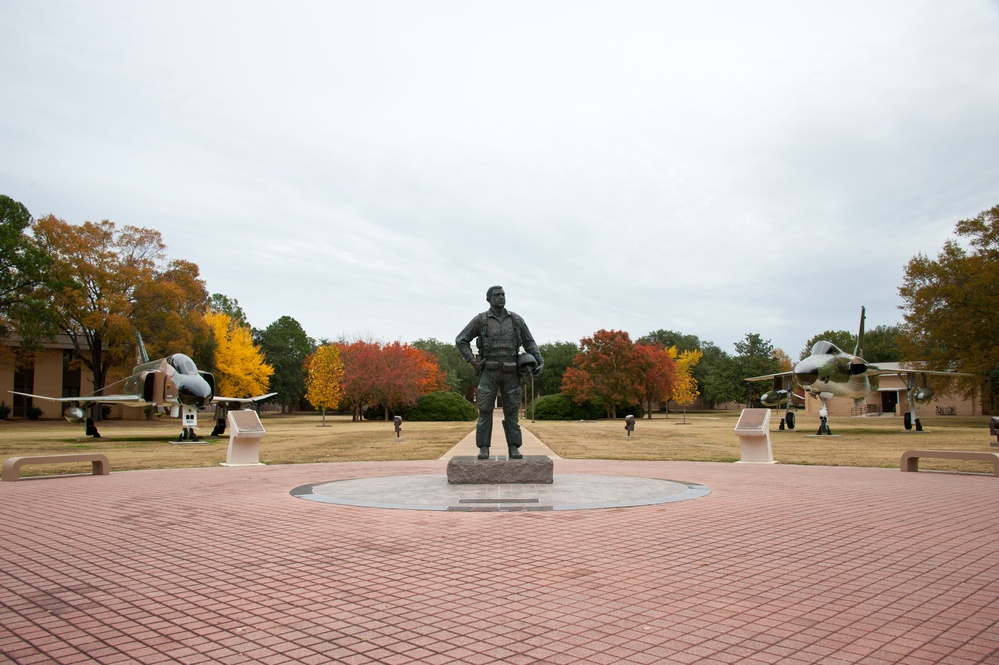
(777, 564)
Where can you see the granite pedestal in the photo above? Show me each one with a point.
(530, 470)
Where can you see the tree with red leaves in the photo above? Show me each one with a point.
(392, 375)
(607, 368)
(406, 373)
(657, 374)
(362, 363)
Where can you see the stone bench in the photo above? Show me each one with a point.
(99, 463)
(910, 458)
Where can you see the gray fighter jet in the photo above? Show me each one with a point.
(829, 372)
(173, 383)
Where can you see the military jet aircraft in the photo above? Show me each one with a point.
(830, 372)
(173, 383)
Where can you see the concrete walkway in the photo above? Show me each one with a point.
(531, 444)
(778, 564)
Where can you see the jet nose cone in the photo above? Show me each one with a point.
(194, 391)
(806, 373)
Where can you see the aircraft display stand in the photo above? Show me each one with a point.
(244, 440)
(753, 430)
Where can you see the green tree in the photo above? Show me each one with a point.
(461, 377)
(223, 303)
(324, 378)
(668, 338)
(845, 340)
(285, 347)
(950, 304)
(558, 357)
(883, 344)
(23, 268)
(755, 356)
(724, 380)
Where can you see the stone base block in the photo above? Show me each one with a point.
(468, 470)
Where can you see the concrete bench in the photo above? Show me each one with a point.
(910, 458)
(99, 463)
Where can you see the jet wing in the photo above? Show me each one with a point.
(895, 368)
(241, 400)
(767, 377)
(124, 400)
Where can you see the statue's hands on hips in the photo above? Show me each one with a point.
(476, 365)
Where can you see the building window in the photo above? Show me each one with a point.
(24, 382)
(71, 374)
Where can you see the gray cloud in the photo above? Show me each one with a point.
(370, 168)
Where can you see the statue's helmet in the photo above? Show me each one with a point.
(526, 363)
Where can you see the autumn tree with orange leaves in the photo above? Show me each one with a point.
(407, 373)
(657, 374)
(391, 375)
(361, 364)
(106, 282)
(606, 368)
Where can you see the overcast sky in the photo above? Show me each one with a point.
(370, 168)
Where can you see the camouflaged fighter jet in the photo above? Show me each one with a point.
(830, 372)
(173, 383)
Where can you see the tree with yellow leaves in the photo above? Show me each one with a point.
(324, 378)
(240, 370)
(685, 388)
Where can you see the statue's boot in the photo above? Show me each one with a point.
(514, 452)
(484, 452)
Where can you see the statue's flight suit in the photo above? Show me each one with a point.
(500, 335)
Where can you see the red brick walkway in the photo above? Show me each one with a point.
(778, 564)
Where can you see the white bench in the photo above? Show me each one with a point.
(99, 463)
(910, 458)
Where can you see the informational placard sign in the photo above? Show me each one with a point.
(753, 430)
(246, 431)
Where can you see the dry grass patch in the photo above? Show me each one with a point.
(706, 437)
(295, 439)
(709, 437)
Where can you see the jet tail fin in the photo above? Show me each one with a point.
(140, 349)
(859, 350)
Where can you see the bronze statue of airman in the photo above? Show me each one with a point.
(499, 335)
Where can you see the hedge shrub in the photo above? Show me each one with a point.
(560, 407)
(444, 405)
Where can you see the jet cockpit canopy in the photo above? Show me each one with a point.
(823, 347)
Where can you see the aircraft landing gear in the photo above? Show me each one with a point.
(92, 429)
(219, 427)
(824, 417)
(908, 422)
(187, 434)
(789, 419)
